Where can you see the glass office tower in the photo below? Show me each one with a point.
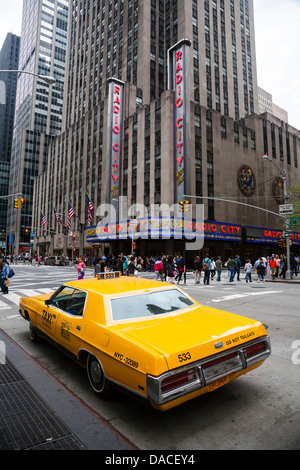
(38, 116)
(9, 58)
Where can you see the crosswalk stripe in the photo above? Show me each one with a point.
(30, 292)
(15, 298)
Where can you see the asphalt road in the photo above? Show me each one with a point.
(260, 410)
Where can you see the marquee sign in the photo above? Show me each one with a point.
(114, 134)
(165, 228)
(178, 80)
(266, 235)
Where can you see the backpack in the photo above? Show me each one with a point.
(205, 266)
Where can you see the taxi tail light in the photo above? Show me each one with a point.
(254, 350)
(178, 380)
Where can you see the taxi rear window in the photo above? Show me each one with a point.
(148, 304)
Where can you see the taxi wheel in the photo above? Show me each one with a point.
(97, 379)
(33, 334)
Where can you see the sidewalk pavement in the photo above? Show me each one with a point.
(38, 413)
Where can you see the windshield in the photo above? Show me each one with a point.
(149, 304)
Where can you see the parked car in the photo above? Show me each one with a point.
(148, 337)
(55, 260)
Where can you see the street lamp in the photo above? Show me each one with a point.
(46, 78)
(287, 220)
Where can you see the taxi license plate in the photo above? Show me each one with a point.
(218, 383)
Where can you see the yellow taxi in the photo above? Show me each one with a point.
(147, 337)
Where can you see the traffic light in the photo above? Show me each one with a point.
(184, 206)
(22, 202)
(74, 236)
(17, 204)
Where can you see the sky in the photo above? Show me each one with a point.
(277, 35)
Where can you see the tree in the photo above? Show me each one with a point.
(295, 200)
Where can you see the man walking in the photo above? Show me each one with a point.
(206, 269)
(231, 264)
(273, 267)
(5, 271)
(219, 266)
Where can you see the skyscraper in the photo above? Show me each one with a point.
(38, 116)
(161, 102)
(9, 58)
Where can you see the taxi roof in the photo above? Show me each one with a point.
(123, 284)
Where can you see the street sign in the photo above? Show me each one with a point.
(286, 209)
(294, 220)
(287, 233)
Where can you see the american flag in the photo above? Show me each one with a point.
(43, 222)
(57, 217)
(90, 210)
(70, 215)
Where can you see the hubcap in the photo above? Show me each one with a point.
(96, 373)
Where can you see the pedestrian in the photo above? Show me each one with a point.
(219, 267)
(261, 271)
(273, 267)
(248, 271)
(206, 269)
(238, 267)
(100, 267)
(170, 269)
(282, 266)
(231, 264)
(131, 267)
(158, 269)
(116, 264)
(125, 261)
(4, 277)
(197, 269)
(182, 270)
(212, 269)
(278, 265)
(81, 267)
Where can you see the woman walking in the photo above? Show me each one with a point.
(81, 268)
(197, 269)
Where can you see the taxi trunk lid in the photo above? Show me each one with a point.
(191, 336)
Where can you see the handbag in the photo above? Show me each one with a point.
(11, 273)
(7, 282)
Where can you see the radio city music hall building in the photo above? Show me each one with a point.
(160, 107)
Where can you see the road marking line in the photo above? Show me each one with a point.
(238, 296)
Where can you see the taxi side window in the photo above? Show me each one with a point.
(70, 300)
(76, 302)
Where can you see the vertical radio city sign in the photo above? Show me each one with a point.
(115, 135)
(179, 82)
